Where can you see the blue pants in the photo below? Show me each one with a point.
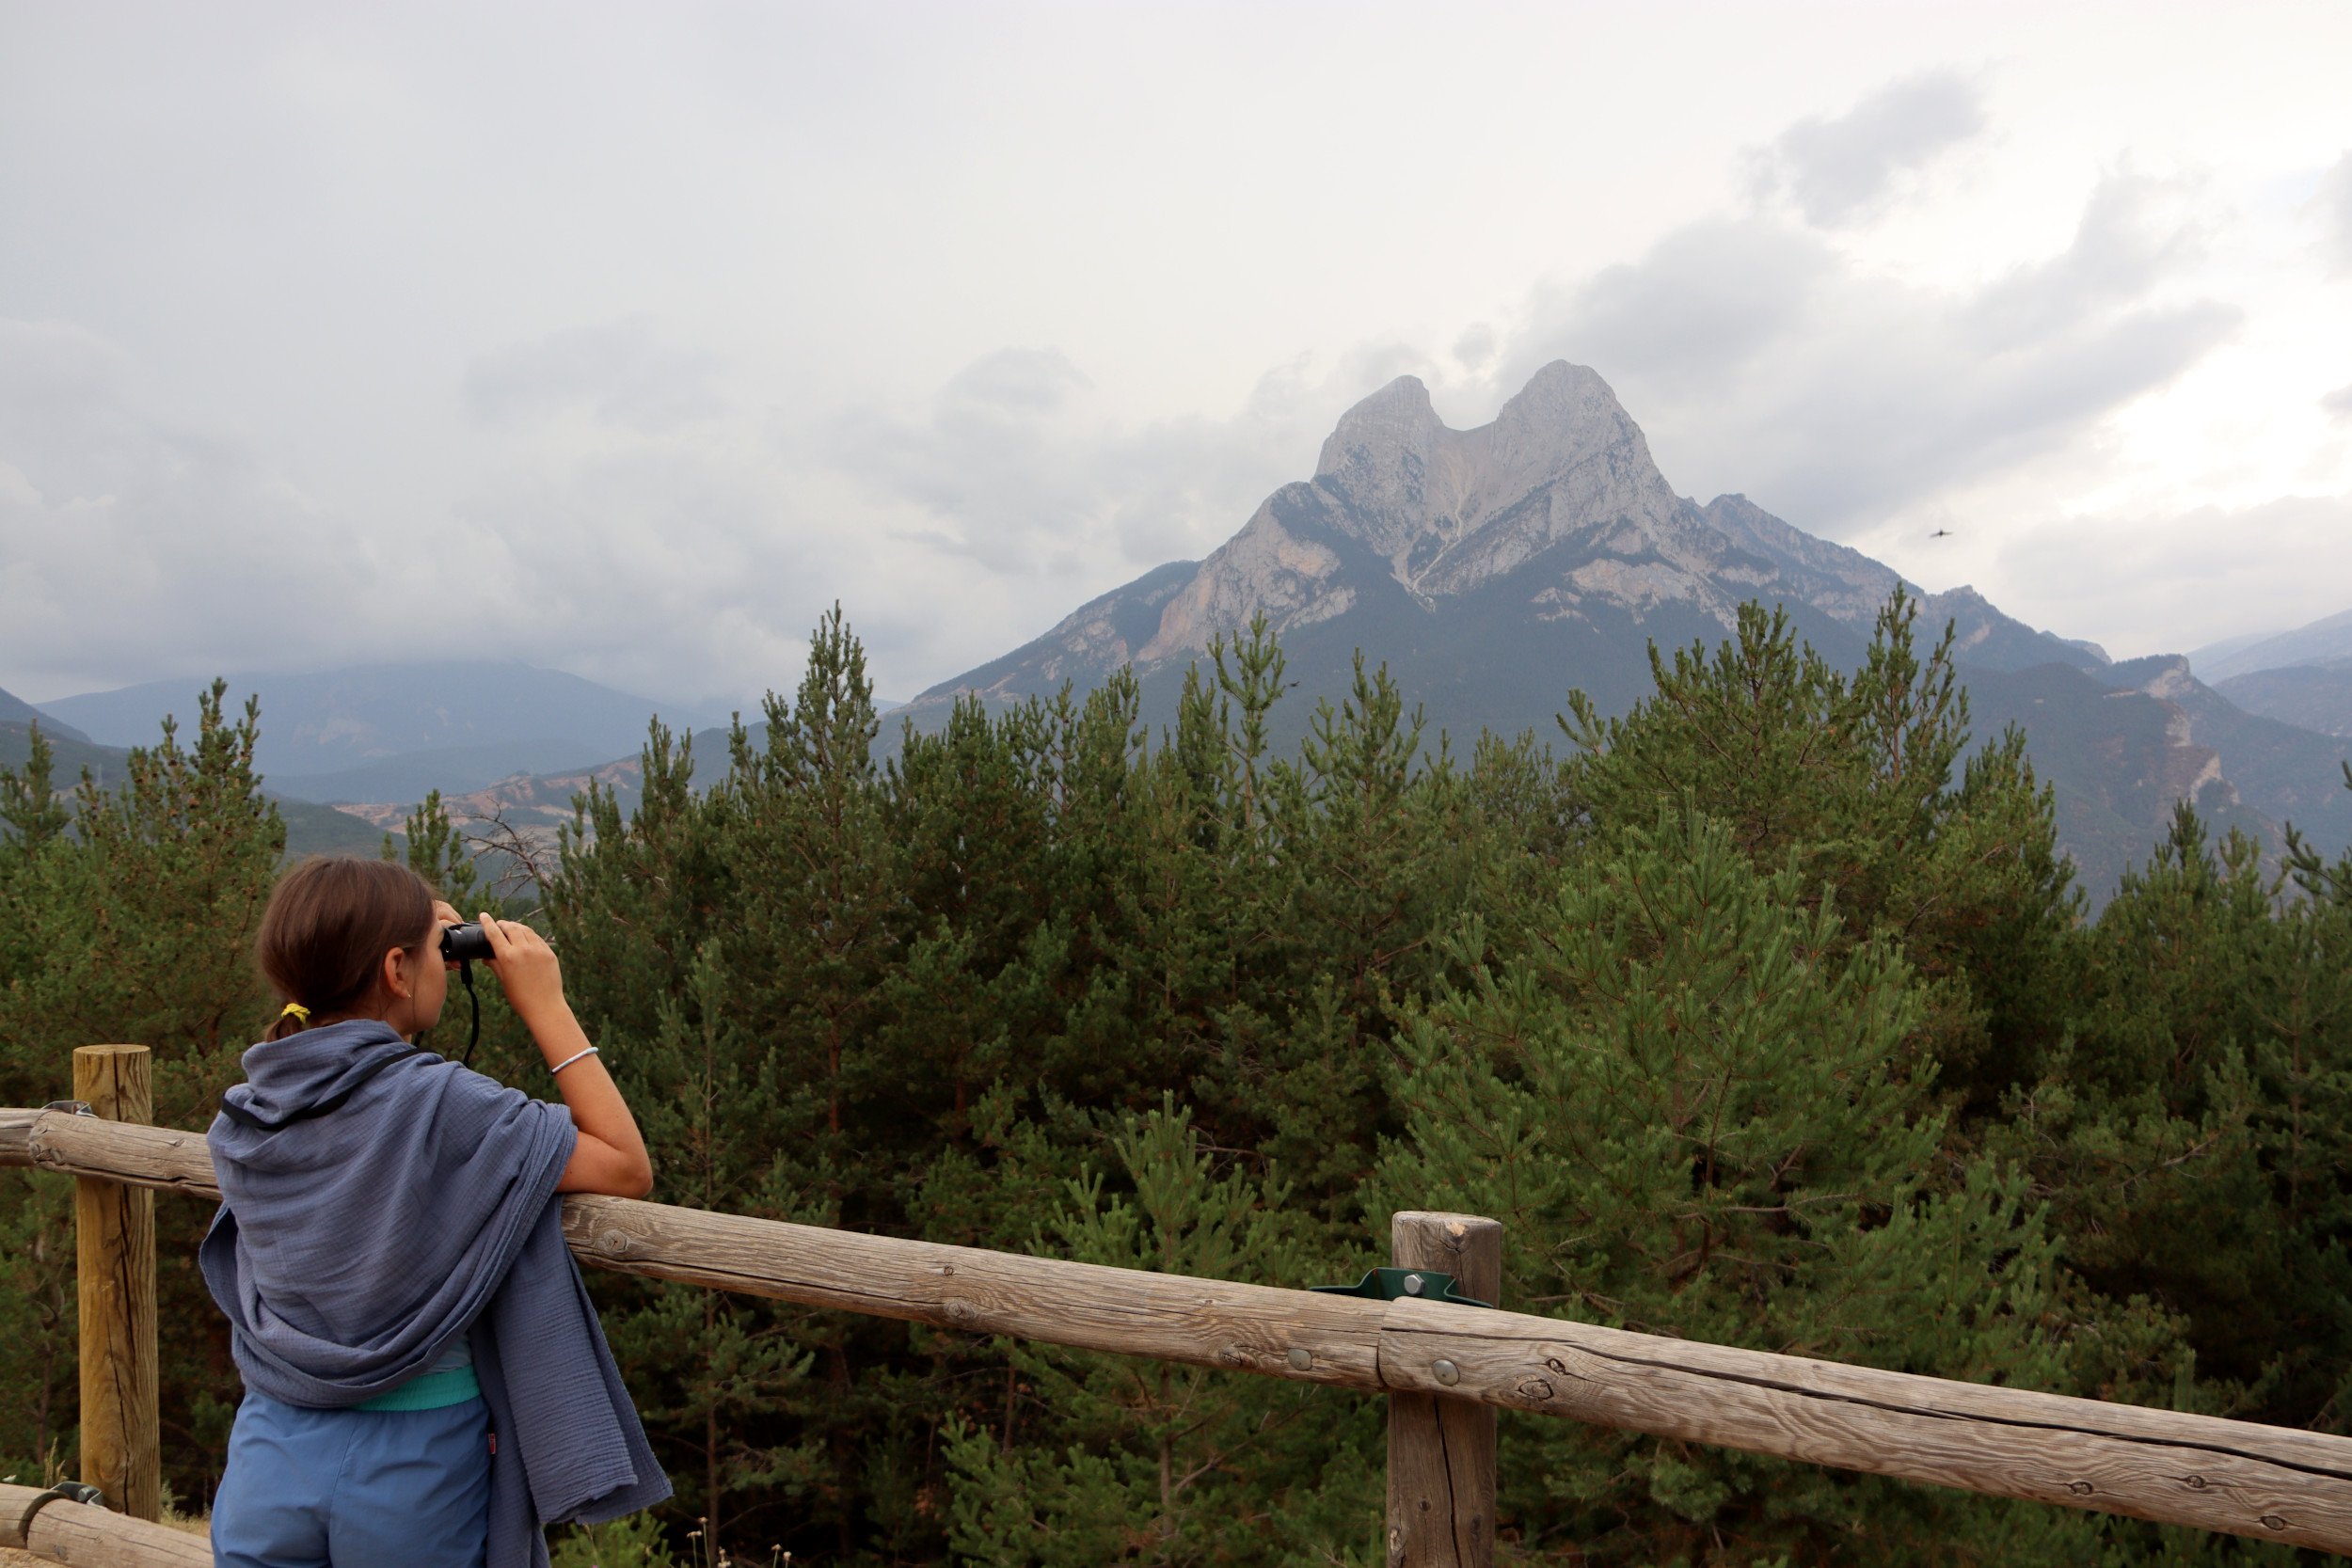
(354, 1488)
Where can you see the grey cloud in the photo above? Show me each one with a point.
(2338, 403)
(66, 423)
(136, 549)
(1836, 170)
(1013, 383)
(2129, 236)
(662, 566)
(2172, 582)
(2335, 206)
(1475, 346)
(620, 371)
(995, 463)
(1013, 464)
(685, 561)
(1714, 293)
(1758, 359)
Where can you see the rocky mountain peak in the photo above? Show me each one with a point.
(1393, 421)
(1565, 409)
(1441, 511)
(1421, 494)
(1565, 414)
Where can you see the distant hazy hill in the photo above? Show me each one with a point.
(2302, 677)
(533, 804)
(2322, 642)
(377, 732)
(1493, 569)
(454, 770)
(15, 710)
(311, 830)
(2315, 696)
(2124, 742)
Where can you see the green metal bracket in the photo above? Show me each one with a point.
(65, 1491)
(1403, 1285)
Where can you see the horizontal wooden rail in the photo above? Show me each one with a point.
(2273, 1484)
(64, 1532)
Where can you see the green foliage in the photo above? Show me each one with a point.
(2311, 871)
(135, 925)
(2197, 1139)
(635, 1542)
(1851, 779)
(1691, 1105)
(130, 918)
(1765, 1015)
(1101, 1459)
(435, 848)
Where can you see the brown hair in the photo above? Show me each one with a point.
(330, 923)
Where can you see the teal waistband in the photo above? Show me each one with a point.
(430, 1391)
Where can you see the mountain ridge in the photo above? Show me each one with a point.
(320, 727)
(2310, 696)
(2321, 641)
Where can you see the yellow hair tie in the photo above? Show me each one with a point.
(298, 1010)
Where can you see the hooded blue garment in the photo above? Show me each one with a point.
(355, 1243)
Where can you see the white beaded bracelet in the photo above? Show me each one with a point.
(569, 1060)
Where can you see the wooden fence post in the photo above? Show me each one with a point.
(1441, 1451)
(115, 1257)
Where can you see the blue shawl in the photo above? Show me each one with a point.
(390, 1202)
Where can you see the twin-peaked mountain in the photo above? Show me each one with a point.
(1493, 569)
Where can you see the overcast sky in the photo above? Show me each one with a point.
(624, 339)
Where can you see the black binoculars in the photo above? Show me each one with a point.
(461, 943)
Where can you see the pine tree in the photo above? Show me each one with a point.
(132, 920)
(645, 912)
(2197, 1133)
(1854, 780)
(1693, 1102)
(2311, 871)
(1109, 1460)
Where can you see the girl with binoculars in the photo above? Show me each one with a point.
(426, 1381)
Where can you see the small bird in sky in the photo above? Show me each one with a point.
(1941, 533)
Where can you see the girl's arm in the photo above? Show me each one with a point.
(611, 1156)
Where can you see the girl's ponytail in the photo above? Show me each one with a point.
(292, 1020)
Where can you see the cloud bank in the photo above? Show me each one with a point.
(1835, 171)
(1761, 357)
(128, 538)
(2189, 573)
(620, 373)
(2333, 205)
(1015, 464)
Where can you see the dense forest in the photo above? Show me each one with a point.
(1765, 1014)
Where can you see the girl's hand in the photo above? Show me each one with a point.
(525, 967)
(444, 916)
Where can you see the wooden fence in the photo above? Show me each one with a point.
(1443, 1368)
